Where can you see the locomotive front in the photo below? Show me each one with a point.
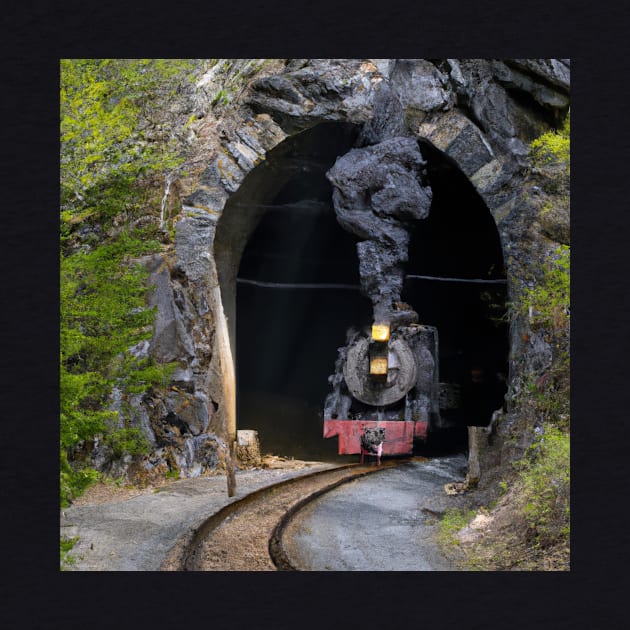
(385, 390)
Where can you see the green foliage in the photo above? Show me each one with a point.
(221, 98)
(103, 315)
(549, 301)
(65, 547)
(118, 136)
(103, 302)
(453, 520)
(112, 123)
(551, 157)
(548, 398)
(546, 305)
(74, 480)
(548, 308)
(553, 147)
(126, 441)
(545, 476)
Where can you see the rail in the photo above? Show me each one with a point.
(246, 535)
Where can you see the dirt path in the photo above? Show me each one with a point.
(375, 523)
(123, 529)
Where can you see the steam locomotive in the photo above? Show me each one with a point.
(387, 395)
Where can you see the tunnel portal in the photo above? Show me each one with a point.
(297, 293)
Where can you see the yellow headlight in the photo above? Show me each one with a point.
(380, 332)
(378, 366)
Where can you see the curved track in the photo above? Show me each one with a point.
(247, 534)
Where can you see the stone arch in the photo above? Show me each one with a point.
(450, 132)
(246, 208)
(464, 143)
(464, 108)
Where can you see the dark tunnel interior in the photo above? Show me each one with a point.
(459, 241)
(287, 338)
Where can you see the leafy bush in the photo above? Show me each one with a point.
(548, 307)
(553, 147)
(549, 302)
(126, 441)
(453, 520)
(118, 135)
(103, 315)
(74, 481)
(65, 547)
(545, 475)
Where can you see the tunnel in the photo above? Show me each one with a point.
(456, 281)
(290, 283)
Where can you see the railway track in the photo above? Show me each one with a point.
(247, 534)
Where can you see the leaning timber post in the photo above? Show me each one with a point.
(227, 366)
(474, 470)
(230, 470)
(228, 382)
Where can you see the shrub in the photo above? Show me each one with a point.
(453, 520)
(549, 302)
(65, 547)
(74, 481)
(103, 315)
(553, 147)
(548, 308)
(545, 477)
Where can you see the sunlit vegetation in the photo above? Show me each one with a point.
(119, 141)
(544, 475)
(535, 495)
(554, 147)
(66, 559)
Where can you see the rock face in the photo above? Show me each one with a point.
(481, 114)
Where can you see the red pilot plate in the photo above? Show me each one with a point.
(399, 434)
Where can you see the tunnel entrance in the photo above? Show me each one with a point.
(296, 294)
(456, 281)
